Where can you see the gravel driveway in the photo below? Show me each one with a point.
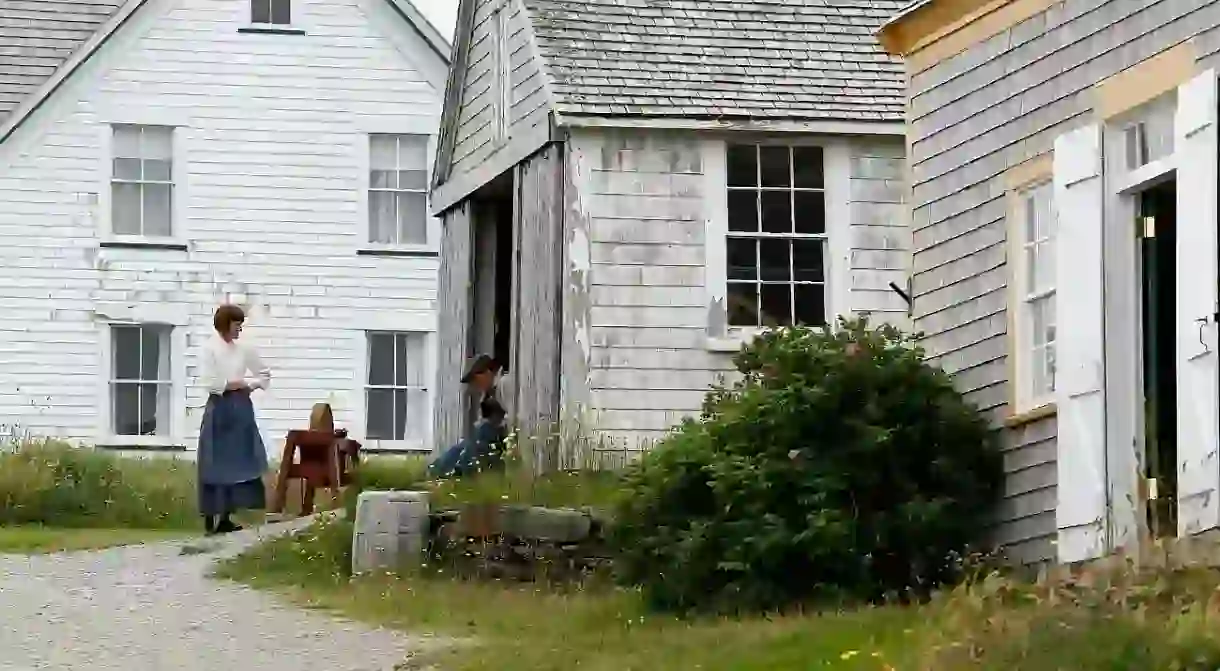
(150, 608)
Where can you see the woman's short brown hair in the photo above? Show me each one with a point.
(226, 316)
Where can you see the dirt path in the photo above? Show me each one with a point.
(150, 608)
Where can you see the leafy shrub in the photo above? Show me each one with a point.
(838, 465)
(55, 484)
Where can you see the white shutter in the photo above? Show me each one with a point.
(1080, 515)
(1195, 151)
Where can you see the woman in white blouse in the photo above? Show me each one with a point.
(232, 458)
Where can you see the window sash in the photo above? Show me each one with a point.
(160, 380)
(791, 236)
(415, 401)
(146, 146)
(407, 152)
(271, 12)
(1036, 280)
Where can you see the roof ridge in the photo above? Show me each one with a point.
(650, 57)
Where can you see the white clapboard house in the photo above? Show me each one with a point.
(160, 157)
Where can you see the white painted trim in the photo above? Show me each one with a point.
(359, 430)
(1082, 510)
(836, 171)
(1196, 305)
(715, 255)
(421, 321)
(362, 149)
(298, 14)
(887, 128)
(180, 141)
(1146, 176)
(431, 35)
(173, 314)
(1024, 401)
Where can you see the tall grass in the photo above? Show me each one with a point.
(54, 484)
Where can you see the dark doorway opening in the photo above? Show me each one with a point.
(1157, 228)
(503, 329)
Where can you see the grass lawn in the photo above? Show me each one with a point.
(41, 540)
(514, 627)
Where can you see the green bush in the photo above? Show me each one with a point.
(54, 484)
(838, 465)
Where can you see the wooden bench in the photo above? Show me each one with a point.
(319, 457)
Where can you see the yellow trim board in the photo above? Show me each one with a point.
(1036, 169)
(1144, 81)
(1021, 419)
(938, 29)
(991, 20)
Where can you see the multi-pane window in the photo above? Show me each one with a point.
(1036, 282)
(396, 395)
(141, 180)
(271, 12)
(140, 387)
(776, 245)
(398, 189)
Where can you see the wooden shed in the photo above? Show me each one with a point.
(631, 189)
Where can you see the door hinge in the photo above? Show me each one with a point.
(1148, 228)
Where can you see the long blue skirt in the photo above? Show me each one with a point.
(232, 458)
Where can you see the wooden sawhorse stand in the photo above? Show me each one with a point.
(320, 457)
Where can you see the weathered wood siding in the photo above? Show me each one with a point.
(539, 309)
(475, 139)
(972, 117)
(880, 240)
(647, 319)
(637, 220)
(453, 337)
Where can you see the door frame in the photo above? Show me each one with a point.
(1124, 376)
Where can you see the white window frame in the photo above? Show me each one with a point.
(1026, 398)
(401, 324)
(174, 321)
(429, 239)
(116, 181)
(836, 170)
(179, 123)
(293, 8)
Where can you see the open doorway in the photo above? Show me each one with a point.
(492, 267)
(1158, 270)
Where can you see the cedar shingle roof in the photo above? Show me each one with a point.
(762, 59)
(37, 36)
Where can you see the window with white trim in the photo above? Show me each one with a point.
(776, 238)
(271, 12)
(396, 391)
(1035, 281)
(141, 390)
(142, 181)
(398, 189)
